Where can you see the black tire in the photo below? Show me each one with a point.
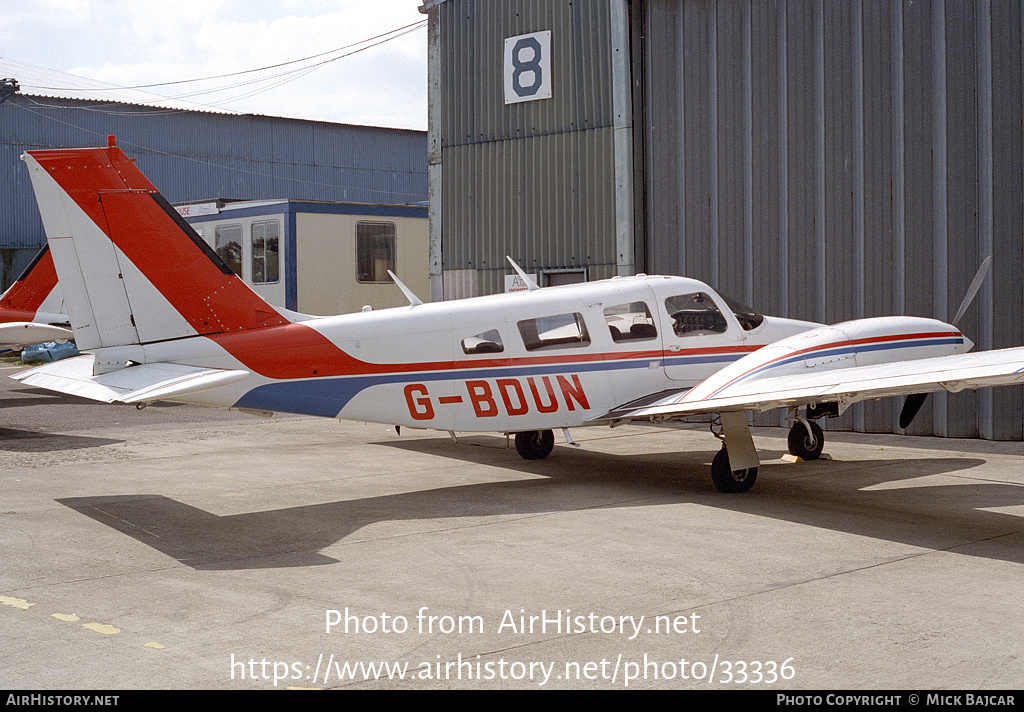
(800, 442)
(730, 481)
(535, 444)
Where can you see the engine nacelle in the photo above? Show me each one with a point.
(863, 342)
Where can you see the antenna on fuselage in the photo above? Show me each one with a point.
(414, 301)
(530, 284)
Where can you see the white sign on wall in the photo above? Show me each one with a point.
(515, 283)
(195, 209)
(528, 67)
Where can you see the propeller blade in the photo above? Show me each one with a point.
(973, 291)
(911, 406)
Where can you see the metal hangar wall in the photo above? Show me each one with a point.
(819, 159)
(525, 162)
(199, 155)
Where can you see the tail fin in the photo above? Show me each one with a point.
(131, 269)
(34, 296)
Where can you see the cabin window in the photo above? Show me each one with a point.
(375, 251)
(265, 252)
(488, 342)
(559, 331)
(630, 322)
(695, 314)
(227, 241)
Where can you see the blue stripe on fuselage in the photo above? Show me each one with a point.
(326, 397)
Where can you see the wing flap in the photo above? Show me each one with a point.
(850, 385)
(654, 400)
(140, 383)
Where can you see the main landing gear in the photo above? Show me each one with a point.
(734, 468)
(806, 440)
(535, 444)
(728, 480)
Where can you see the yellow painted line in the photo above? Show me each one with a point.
(15, 602)
(102, 628)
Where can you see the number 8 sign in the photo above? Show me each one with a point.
(528, 67)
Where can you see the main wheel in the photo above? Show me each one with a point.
(535, 444)
(728, 480)
(800, 441)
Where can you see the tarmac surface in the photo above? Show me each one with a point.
(183, 548)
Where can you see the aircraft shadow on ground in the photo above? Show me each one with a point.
(830, 495)
(37, 396)
(12, 440)
(28, 396)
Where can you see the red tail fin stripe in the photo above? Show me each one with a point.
(123, 203)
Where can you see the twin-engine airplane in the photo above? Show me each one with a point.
(162, 317)
(30, 310)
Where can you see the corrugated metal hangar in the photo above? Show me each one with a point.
(819, 159)
(200, 155)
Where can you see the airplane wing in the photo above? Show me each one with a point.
(141, 383)
(951, 373)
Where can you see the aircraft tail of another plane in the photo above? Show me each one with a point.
(131, 269)
(32, 293)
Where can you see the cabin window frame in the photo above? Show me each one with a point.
(642, 326)
(486, 342)
(554, 332)
(688, 321)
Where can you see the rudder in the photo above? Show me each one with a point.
(132, 270)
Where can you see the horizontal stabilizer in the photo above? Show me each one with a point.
(20, 333)
(141, 383)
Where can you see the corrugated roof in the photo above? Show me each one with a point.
(49, 83)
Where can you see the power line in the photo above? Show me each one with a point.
(400, 30)
(284, 77)
(298, 72)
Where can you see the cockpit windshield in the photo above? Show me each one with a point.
(747, 317)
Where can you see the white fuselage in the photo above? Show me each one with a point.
(549, 358)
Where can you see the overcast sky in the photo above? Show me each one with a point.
(138, 42)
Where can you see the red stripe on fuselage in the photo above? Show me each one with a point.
(297, 351)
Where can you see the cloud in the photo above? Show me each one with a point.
(131, 43)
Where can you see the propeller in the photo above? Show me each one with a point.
(972, 291)
(912, 404)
